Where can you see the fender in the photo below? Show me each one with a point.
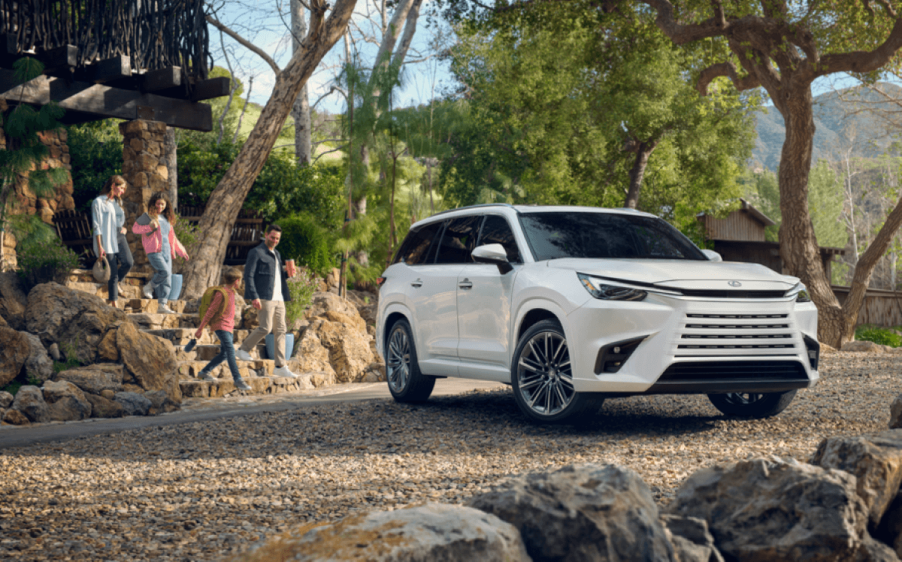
(395, 307)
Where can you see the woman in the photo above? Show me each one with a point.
(161, 245)
(108, 220)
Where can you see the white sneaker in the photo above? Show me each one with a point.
(243, 355)
(119, 285)
(163, 309)
(147, 291)
(284, 372)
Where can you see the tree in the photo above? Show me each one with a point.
(784, 47)
(225, 202)
(301, 110)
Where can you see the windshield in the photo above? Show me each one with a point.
(605, 235)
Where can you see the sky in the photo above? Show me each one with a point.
(261, 24)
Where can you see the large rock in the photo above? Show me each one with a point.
(581, 513)
(94, 378)
(38, 366)
(321, 303)
(310, 355)
(134, 404)
(349, 348)
(876, 462)
(895, 413)
(74, 320)
(160, 402)
(429, 532)
(150, 360)
(66, 401)
(30, 401)
(775, 510)
(890, 528)
(14, 355)
(12, 301)
(6, 399)
(691, 539)
(15, 417)
(104, 408)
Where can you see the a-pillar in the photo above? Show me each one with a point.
(144, 168)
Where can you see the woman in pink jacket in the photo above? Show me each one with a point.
(161, 246)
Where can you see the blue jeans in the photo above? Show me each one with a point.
(161, 262)
(226, 353)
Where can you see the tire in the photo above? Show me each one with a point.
(752, 405)
(542, 379)
(402, 371)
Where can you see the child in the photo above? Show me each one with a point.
(222, 320)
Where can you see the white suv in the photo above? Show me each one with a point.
(570, 305)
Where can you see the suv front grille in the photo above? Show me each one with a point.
(721, 294)
(706, 335)
(735, 370)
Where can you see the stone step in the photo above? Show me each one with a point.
(209, 351)
(165, 321)
(181, 336)
(259, 385)
(189, 370)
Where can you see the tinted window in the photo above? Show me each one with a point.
(459, 240)
(603, 235)
(495, 230)
(416, 246)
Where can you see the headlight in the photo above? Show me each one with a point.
(610, 292)
(801, 293)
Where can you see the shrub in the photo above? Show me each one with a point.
(301, 286)
(44, 260)
(881, 336)
(304, 240)
(186, 232)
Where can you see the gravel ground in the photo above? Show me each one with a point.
(202, 491)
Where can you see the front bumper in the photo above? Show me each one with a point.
(695, 345)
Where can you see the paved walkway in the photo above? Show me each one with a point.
(205, 409)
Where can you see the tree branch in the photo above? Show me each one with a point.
(727, 69)
(864, 61)
(245, 43)
(681, 34)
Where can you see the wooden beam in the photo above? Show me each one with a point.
(60, 58)
(204, 90)
(106, 70)
(157, 80)
(106, 102)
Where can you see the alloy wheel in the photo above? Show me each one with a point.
(544, 375)
(398, 364)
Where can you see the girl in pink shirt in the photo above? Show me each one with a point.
(220, 317)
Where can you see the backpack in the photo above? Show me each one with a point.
(207, 300)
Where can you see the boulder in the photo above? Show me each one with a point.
(876, 462)
(427, 532)
(777, 510)
(66, 401)
(890, 528)
(321, 303)
(150, 360)
(54, 352)
(15, 417)
(12, 301)
(6, 399)
(16, 349)
(107, 349)
(863, 346)
(581, 512)
(895, 413)
(160, 402)
(94, 378)
(104, 408)
(349, 349)
(310, 355)
(76, 321)
(30, 401)
(691, 539)
(38, 366)
(3, 323)
(134, 404)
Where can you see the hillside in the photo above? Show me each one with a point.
(841, 119)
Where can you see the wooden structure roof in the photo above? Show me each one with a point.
(126, 59)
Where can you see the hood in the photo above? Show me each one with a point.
(682, 274)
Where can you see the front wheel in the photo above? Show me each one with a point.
(542, 377)
(405, 381)
(752, 405)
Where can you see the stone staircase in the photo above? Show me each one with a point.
(179, 329)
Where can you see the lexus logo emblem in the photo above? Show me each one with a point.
(734, 283)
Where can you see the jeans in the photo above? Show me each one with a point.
(161, 262)
(113, 283)
(226, 353)
(126, 261)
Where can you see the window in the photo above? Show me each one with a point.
(495, 230)
(459, 240)
(416, 246)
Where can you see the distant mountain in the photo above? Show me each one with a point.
(841, 119)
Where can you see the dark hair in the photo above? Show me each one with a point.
(231, 274)
(108, 185)
(272, 227)
(168, 211)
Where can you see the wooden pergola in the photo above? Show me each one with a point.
(125, 59)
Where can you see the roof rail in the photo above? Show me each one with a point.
(473, 207)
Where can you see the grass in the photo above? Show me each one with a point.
(879, 335)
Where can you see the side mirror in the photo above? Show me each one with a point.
(712, 255)
(492, 253)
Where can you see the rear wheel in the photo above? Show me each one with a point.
(542, 377)
(405, 381)
(752, 405)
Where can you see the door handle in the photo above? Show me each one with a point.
(417, 284)
(465, 284)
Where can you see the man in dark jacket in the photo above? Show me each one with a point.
(266, 287)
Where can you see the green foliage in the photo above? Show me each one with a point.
(186, 232)
(42, 260)
(95, 151)
(881, 336)
(301, 286)
(13, 387)
(304, 240)
(70, 363)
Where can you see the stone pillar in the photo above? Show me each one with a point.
(144, 168)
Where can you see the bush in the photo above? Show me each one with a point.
(881, 336)
(95, 150)
(304, 240)
(301, 287)
(44, 260)
(186, 232)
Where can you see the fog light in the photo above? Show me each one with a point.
(612, 357)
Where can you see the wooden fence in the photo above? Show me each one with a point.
(74, 229)
(880, 307)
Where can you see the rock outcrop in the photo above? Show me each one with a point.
(66, 401)
(15, 353)
(12, 301)
(30, 401)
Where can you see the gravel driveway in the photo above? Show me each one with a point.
(200, 491)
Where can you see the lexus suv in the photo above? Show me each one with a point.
(571, 305)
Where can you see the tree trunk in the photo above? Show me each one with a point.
(300, 112)
(170, 157)
(225, 202)
(637, 172)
